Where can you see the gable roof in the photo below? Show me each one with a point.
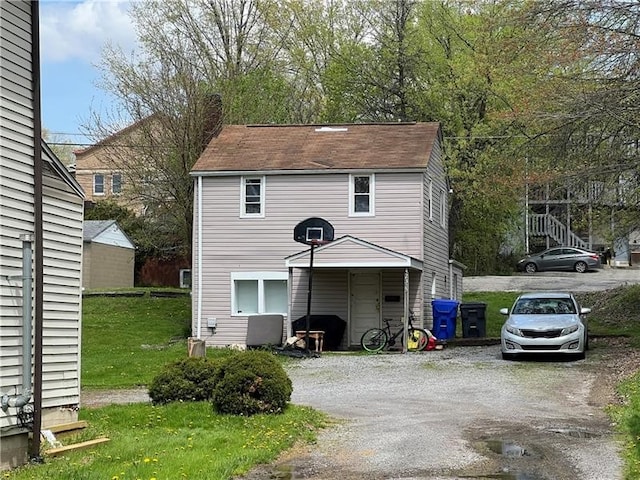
(107, 232)
(241, 148)
(50, 158)
(351, 252)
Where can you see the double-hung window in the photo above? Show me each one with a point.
(116, 183)
(443, 209)
(98, 184)
(252, 201)
(259, 292)
(430, 206)
(361, 195)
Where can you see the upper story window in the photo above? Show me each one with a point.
(430, 206)
(252, 202)
(116, 183)
(361, 195)
(98, 184)
(443, 208)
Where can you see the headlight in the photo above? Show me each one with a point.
(568, 330)
(513, 330)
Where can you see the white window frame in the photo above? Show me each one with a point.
(260, 277)
(443, 209)
(372, 196)
(95, 175)
(243, 197)
(113, 176)
(185, 278)
(431, 200)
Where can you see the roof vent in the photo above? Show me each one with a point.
(332, 129)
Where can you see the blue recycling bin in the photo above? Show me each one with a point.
(445, 313)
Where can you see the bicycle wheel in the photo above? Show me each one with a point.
(374, 340)
(417, 339)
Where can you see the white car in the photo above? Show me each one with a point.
(546, 323)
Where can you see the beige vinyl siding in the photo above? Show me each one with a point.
(435, 237)
(234, 244)
(16, 186)
(329, 296)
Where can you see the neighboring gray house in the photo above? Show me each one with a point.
(41, 210)
(108, 259)
(381, 186)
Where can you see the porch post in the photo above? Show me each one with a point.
(405, 336)
(289, 306)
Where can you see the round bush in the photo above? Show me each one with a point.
(251, 382)
(188, 380)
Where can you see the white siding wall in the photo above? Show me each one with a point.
(16, 187)
(113, 236)
(62, 232)
(234, 244)
(62, 215)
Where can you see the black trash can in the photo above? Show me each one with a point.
(474, 322)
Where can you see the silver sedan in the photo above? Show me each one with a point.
(560, 258)
(547, 323)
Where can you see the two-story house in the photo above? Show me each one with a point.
(41, 210)
(381, 186)
(98, 168)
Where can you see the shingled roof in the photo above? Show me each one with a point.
(319, 147)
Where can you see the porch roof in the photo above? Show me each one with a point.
(352, 252)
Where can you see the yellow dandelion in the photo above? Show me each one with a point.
(147, 460)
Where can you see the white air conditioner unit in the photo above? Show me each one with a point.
(185, 278)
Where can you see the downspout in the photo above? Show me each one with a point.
(39, 236)
(19, 401)
(199, 254)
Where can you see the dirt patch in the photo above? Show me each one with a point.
(101, 398)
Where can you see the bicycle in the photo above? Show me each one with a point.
(376, 339)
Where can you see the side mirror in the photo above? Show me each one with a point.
(585, 310)
(504, 311)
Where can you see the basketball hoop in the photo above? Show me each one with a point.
(314, 232)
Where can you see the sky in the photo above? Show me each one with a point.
(72, 36)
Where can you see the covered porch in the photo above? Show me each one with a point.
(357, 281)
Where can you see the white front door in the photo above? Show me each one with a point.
(365, 303)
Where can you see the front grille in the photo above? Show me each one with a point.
(541, 334)
(541, 347)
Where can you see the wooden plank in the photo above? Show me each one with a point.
(66, 427)
(76, 446)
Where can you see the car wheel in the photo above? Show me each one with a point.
(586, 342)
(508, 356)
(530, 268)
(580, 267)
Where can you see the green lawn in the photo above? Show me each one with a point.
(127, 340)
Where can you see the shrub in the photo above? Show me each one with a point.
(251, 382)
(191, 379)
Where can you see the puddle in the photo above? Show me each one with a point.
(285, 472)
(505, 448)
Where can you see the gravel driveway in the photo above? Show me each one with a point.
(458, 413)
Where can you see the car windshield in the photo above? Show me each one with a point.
(537, 306)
